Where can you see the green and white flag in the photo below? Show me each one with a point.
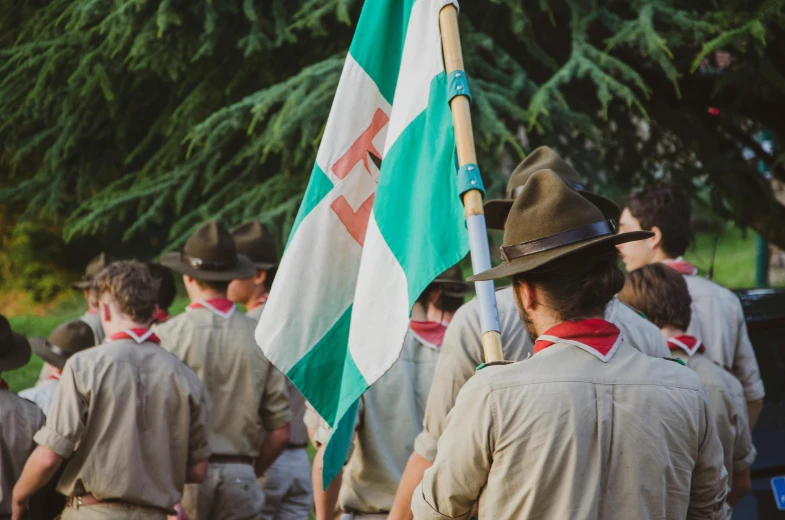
(381, 217)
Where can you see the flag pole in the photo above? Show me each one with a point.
(472, 199)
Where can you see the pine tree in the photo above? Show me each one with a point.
(161, 114)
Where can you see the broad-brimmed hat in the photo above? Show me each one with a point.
(542, 158)
(14, 348)
(254, 240)
(95, 266)
(453, 284)
(210, 255)
(66, 340)
(548, 221)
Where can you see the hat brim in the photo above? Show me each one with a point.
(454, 288)
(265, 265)
(19, 354)
(43, 349)
(244, 268)
(497, 210)
(530, 262)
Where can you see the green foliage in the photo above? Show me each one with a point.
(141, 115)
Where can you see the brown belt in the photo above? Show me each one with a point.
(231, 459)
(85, 500)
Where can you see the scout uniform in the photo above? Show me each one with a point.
(462, 352)
(19, 418)
(287, 485)
(91, 317)
(726, 400)
(246, 395)
(132, 419)
(389, 418)
(66, 340)
(584, 424)
(718, 321)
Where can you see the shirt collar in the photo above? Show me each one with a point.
(599, 338)
(56, 375)
(688, 344)
(259, 302)
(429, 333)
(138, 335)
(160, 315)
(222, 307)
(680, 265)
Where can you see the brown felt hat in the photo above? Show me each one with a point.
(548, 221)
(254, 240)
(95, 266)
(66, 340)
(542, 158)
(210, 255)
(14, 348)
(452, 282)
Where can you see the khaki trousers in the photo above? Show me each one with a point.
(112, 511)
(230, 492)
(287, 487)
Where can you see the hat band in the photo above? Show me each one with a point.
(58, 351)
(201, 265)
(598, 229)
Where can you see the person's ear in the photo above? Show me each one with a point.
(656, 240)
(528, 293)
(260, 278)
(106, 312)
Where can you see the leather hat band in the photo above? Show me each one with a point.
(198, 263)
(598, 229)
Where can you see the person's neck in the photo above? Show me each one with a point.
(121, 323)
(660, 256)
(547, 320)
(257, 294)
(439, 316)
(197, 294)
(670, 331)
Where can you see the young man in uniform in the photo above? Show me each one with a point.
(390, 414)
(91, 317)
(288, 493)
(66, 340)
(130, 418)
(586, 425)
(19, 418)
(717, 315)
(246, 394)
(661, 293)
(462, 351)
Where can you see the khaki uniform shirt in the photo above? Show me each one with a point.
(718, 322)
(131, 418)
(729, 409)
(41, 394)
(94, 321)
(389, 418)
(246, 395)
(462, 354)
(565, 435)
(19, 420)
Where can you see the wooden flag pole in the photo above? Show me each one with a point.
(472, 199)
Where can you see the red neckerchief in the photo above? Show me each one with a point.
(260, 301)
(219, 306)
(160, 315)
(680, 265)
(429, 333)
(688, 344)
(3, 384)
(55, 375)
(599, 338)
(138, 335)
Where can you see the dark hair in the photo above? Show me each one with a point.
(166, 289)
(668, 207)
(268, 281)
(131, 286)
(444, 303)
(577, 287)
(220, 287)
(660, 293)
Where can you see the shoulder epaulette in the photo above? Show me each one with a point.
(494, 364)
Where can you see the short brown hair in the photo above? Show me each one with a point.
(579, 285)
(668, 207)
(167, 290)
(661, 294)
(131, 286)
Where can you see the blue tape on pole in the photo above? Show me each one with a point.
(458, 85)
(469, 179)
